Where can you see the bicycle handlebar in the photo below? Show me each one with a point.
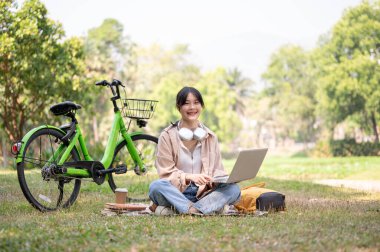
(106, 83)
(102, 83)
(114, 83)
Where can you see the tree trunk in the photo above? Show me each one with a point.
(4, 149)
(374, 126)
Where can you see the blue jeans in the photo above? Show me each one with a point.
(163, 193)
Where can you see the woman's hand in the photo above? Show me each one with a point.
(200, 179)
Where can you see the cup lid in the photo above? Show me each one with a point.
(121, 190)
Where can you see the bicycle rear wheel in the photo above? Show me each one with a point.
(146, 147)
(42, 188)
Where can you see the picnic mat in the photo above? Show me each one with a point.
(111, 209)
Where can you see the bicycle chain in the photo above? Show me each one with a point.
(129, 198)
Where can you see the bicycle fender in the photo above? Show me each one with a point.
(26, 137)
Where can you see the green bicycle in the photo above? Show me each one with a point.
(51, 161)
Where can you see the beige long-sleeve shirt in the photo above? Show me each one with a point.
(168, 155)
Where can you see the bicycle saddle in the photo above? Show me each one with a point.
(64, 107)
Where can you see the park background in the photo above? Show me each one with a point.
(322, 100)
(316, 105)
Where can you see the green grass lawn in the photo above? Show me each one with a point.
(356, 168)
(318, 218)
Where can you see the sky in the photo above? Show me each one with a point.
(227, 33)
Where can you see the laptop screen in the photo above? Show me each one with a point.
(247, 165)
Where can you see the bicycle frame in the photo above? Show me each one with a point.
(118, 127)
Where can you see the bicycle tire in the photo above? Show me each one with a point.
(146, 147)
(46, 194)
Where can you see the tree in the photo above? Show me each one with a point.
(291, 89)
(107, 56)
(107, 49)
(350, 68)
(155, 63)
(241, 86)
(162, 73)
(219, 114)
(36, 64)
(165, 92)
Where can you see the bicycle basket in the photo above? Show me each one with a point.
(138, 108)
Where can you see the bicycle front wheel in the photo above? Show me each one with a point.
(146, 148)
(44, 189)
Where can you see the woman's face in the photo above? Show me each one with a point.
(191, 110)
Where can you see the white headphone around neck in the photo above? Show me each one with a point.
(187, 134)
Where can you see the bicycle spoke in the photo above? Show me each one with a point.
(51, 145)
(60, 188)
(145, 146)
(40, 160)
(40, 148)
(43, 189)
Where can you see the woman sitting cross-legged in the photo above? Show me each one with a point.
(188, 157)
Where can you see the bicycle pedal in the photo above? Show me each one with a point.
(121, 169)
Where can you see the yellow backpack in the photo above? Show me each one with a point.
(256, 197)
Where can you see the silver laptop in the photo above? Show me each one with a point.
(246, 166)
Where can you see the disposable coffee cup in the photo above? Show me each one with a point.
(121, 195)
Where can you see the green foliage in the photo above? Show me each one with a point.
(173, 73)
(36, 65)
(344, 148)
(219, 114)
(166, 92)
(106, 37)
(162, 73)
(337, 82)
(349, 147)
(306, 92)
(242, 86)
(107, 50)
(155, 63)
(219, 100)
(350, 70)
(321, 149)
(107, 56)
(291, 90)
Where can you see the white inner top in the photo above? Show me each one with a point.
(190, 162)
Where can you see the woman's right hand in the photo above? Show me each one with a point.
(200, 179)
